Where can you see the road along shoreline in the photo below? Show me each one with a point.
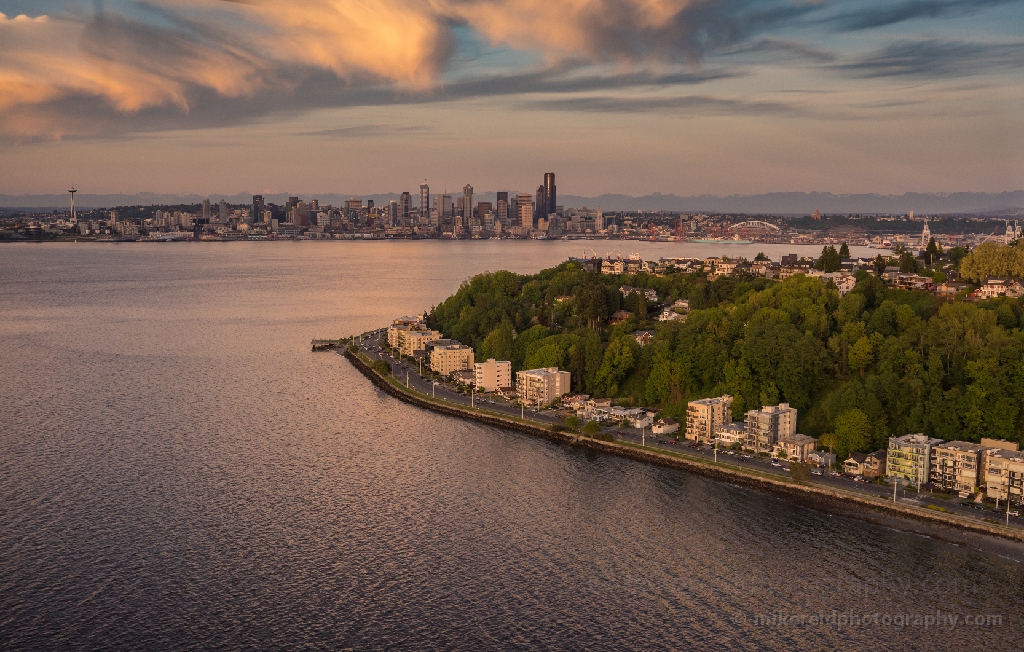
(808, 495)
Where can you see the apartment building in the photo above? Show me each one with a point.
(542, 386)
(413, 342)
(767, 425)
(909, 458)
(1004, 470)
(493, 375)
(795, 447)
(731, 434)
(988, 446)
(450, 358)
(705, 415)
(955, 466)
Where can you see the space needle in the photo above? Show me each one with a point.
(73, 191)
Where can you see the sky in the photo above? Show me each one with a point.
(615, 96)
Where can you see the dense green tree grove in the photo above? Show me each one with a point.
(862, 367)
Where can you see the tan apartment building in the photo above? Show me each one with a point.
(796, 447)
(909, 458)
(1004, 470)
(731, 434)
(988, 445)
(955, 466)
(493, 375)
(542, 386)
(766, 426)
(412, 342)
(450, 358)
(705, 415)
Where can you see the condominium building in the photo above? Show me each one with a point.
(795, 447)
(1004, 470)
(450, 358)
(705, 415)
(542, 386)
(955, 466)
(731, 434)
(412, 342)
(400, 325)
(988, 446)
(909, 458)
(493, 375)
(767, 425)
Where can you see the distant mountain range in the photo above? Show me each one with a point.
(777, 203)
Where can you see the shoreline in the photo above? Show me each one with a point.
(825, 499)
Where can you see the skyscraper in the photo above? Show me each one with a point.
(206, 211)
(540, 211)
(501, 208)
(405, 206)
(549, 191)
(467, 204)
(257, 208)
(524, 204)
(222, 211)
(424, 199)
(444, 205)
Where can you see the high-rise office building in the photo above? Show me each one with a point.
(222, 209)
(392, 214)
(524, 204)
(444, 205)
(405, 206)
(549, 192)
(315, 205)
(257, 208)
(424, 199)
(482, 209)
(206, 211)
(467, 204)
(540, 209)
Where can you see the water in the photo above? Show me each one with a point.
(177, 471)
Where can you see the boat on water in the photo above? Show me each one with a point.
(721, 241)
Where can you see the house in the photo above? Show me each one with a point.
(619, 316)
(665, 426)
(794, 447)
(854, 464)
(844, 281)
(650, 295)
(913, 282)
(1001, 287)
(869, 465)
(821, 458)
(667, 314)
(951, 288)
(909, 458)
(728, 266)
(705, 415)
(643, 338)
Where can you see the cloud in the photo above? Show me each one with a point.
(936, 58)
(169, 64)
(690, 104)
(892, 13)
(365, 131)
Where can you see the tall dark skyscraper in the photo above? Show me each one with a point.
(541, 209)
(405, 208)
(549, 191)
(257, 208)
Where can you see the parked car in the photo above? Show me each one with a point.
(816, 472)
(775, 463)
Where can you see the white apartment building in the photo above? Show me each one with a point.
(493, 375)
(542, 386)
(766, 426)
(450, 358)
(705, 415)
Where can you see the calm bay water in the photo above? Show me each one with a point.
(177, 471)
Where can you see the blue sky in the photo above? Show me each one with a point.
(631, 96)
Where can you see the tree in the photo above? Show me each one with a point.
(853, 432)
(800, 472)
(932, 251)
(908, 264)
(991, 259)
(844, 251)
(880, 264)
(591, 428)
(830, 260)
(572, 422)
(760, 256)
(861, 355)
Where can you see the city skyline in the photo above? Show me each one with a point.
(691, 98)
